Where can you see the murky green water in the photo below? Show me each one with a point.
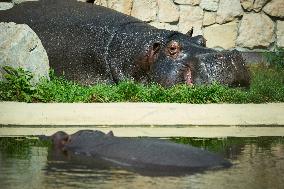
(258, 164)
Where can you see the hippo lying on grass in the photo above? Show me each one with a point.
(91, 44)
(140, 154)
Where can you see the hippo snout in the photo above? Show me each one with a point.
(226, 68)
(184, 60)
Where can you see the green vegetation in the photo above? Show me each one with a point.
(222, 144)
(18, 87)
(276, 58)
(267, 85)
(20, 146)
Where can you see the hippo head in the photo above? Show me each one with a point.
(185, 59)
(59, 139)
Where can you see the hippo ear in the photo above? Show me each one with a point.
(110, 134)
(199, 40)
(190, 32)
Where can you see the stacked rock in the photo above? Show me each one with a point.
(226, 24)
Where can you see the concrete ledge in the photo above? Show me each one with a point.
(134, 114)
(150, 131)
(144, 119)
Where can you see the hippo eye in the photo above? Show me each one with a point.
(173, 49)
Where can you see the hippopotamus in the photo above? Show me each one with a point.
(140, 154)
(91, 44)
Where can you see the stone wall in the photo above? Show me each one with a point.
(241, 24)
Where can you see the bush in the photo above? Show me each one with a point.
(17, 86)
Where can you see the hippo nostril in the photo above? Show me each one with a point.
(173, 50)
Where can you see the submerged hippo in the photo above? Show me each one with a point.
(142, 154)
(90, 44)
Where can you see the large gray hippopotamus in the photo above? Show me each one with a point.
(137, 154)
(92, 44)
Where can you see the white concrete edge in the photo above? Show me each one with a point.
(137, 114)
(162, 132)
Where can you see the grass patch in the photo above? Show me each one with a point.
(267, 85)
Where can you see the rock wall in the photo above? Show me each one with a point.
(241, 24)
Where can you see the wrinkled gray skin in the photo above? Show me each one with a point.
(91, 44)
(137, 154)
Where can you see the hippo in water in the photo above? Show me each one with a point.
(90, 44)
(140, 154)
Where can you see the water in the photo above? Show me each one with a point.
(258, 164)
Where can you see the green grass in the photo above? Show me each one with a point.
(267, 85)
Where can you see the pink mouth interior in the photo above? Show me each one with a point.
(188, 77)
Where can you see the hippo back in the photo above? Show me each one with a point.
(144, 153)
(76, 35)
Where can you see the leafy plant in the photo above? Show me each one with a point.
(61, 90)
(18, 85)
(276, 58)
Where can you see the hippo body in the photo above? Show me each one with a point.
(143, 154)
(91, 44)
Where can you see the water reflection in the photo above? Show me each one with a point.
(18, 172)
(256, 166)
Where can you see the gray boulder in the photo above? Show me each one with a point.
(5, 5)
(21, 47)
(21, 1)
